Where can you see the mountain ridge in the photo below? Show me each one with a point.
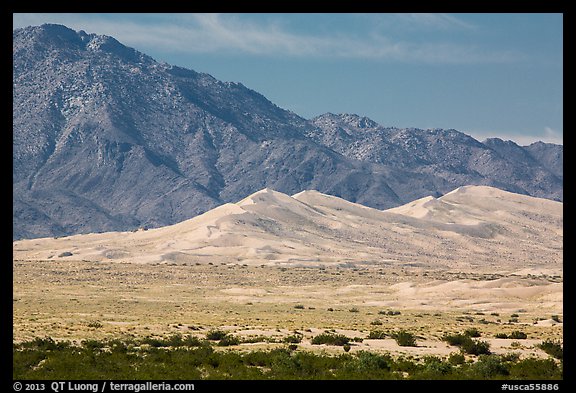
(106, 138)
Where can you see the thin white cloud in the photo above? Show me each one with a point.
(228, 33)
(552, 134)
(548, 135)
(435, 21)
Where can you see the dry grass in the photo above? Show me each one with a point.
(75, 300)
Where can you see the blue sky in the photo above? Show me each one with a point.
(488, 75)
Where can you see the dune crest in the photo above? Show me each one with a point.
(472, 227)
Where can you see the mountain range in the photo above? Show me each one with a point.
(105, 138)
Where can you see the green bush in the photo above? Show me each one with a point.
(330, 339)
(489, 367)
(535, 369)
(405, 339)
(215, 335)
(456, 358)
(476, 347)
(45, 359)
(552, 348)
(467, 345)
(293, 339)
(377, 335)
(472, 332)
(518, 335)
(501, 335)
(456, 339)
(228, 340)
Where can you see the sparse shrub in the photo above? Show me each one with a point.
(513, 320)
(552, 348)
(65, 254)
(455, 339)
(95, 325)
(376, 322)
(514, 315)
(405, 339)
(476, 347)
(518, 335)
(354, 309)
(510, 357)
(299, 306)
(330, 339)
(467, 345)
(330, 309)
(501, 335)
(376, 335)
(293, 339)
(489, 367)
(215, 335)
(556, 318)
(125, 359)
(228, 340)
(456, 358)
(535, 369)
(472, 332)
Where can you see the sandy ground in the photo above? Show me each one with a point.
(272, 263)
(470, 229)
(76, 300)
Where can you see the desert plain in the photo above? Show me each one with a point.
(273, 265)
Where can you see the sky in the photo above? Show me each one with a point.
(487, 75)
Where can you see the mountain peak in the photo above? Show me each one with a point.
(104, 141)
(56, 37)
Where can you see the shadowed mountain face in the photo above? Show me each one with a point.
(106, 138)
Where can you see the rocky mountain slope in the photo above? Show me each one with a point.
(106, 138)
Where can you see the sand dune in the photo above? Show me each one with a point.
(471, 228)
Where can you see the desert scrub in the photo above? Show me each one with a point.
(518, 335)
(552, 348)
(472, 332)
(228, 340)
(377, 335)
(293, 339)
(467, 345)
(405, 339)
(95, 325)
(215, 335)
(330, 339)
(45, 359)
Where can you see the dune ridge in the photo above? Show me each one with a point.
(472, 227)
